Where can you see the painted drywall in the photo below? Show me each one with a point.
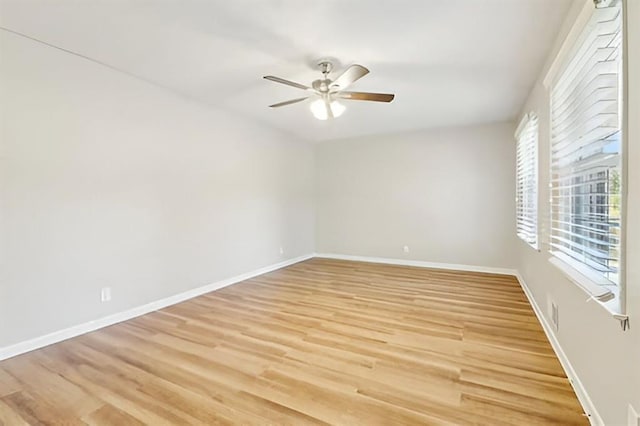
(427, 52)
(605, 358)
(109, 181)
(106, 180)
(447, 194)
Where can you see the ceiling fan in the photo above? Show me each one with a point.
(328, 91)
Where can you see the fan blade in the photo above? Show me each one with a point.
(349, 76)
(287, 82)
(292, 101)
(364, 96)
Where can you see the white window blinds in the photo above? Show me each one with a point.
(586, 151)
(527, 180)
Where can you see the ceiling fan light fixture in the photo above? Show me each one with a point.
(337, 108)
(319, 109)
(325, 90)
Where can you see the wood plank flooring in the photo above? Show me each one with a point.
(322, 341)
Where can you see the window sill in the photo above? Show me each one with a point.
(535, 246)
(606, 295)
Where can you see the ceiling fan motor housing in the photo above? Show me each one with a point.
(322, 85)
(328, 90)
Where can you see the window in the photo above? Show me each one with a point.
(586, 150)
(527, 180)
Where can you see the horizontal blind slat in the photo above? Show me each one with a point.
(527, 181)
(586, 149)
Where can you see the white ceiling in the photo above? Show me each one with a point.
(449, 62)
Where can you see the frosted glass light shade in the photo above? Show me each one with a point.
(319, 109)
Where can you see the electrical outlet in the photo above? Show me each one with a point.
(633, 419)
(406, 249)
(281, 250)
(105, 294)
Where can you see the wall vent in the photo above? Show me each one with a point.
(552, 312)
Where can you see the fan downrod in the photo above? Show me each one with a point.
(322, 85)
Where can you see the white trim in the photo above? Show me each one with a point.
(58, 336)
(420, 263)
(569, 43)
(593, 284)
(578, 387)
(523, 122)
(598, 288)
(67, 333)
(523, 214)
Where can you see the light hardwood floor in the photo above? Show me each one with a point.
(322, 341)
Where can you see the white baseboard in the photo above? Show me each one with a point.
(58, 336)
(578, 387)
(420, 264)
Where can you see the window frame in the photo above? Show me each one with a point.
(612, 297)
(529, 123)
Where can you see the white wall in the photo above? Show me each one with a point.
(448, 194)
(106, 180)
(606, 359)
